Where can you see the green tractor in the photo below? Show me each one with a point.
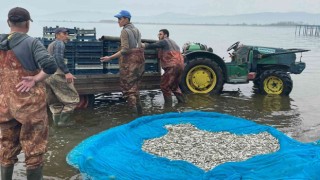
(268, 68)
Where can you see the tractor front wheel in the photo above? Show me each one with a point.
(202, 75)
(275, 82)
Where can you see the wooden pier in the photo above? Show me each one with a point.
(308, 30)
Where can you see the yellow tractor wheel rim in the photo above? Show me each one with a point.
(201, 79)
(273, 85)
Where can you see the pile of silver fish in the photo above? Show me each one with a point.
(207, 149)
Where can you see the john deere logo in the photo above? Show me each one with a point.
(266, 50)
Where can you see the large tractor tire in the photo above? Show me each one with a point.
(273, 82)
(202, 75)
(86, 101)
(256, 84)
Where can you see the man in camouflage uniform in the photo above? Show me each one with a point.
(131, 61)
(62, 96)
(24, 64)
(172, 63)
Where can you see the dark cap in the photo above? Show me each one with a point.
(60, 29)
(19, 14)
(123, 13)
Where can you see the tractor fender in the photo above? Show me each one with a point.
(200, 54)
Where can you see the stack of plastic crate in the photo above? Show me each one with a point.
(87, 55)
(86, 34)
(69, 55)
(151, 61)
(111, 46)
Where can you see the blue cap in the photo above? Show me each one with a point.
(123, 13)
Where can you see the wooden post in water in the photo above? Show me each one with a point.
(308, 30)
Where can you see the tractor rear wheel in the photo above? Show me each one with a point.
(274, 82)
(86, 101)
(202, 75)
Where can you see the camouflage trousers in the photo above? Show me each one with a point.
(131, 71)
(170, 80)
(62, 97)
(29, 137)
(23, 115)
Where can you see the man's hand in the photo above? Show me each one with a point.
(70, 78)
(26, 84)
(105, 59)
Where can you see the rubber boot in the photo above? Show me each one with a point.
(180, 98)
(35, 174)
(133, 110)
(6, 172)
(65, 119)
(56, 119)
(167, 101)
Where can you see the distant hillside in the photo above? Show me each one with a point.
(174, 18)
(257, 18)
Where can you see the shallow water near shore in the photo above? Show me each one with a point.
(296, 115)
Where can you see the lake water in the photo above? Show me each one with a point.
(296, 115)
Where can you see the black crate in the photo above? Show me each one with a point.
(71, 70)
(88, 54)
(50, 30)
(86, 31)
(151, 67)
(89, 46)
(46, 42)
(111, 46)
(88, 71)
(86, 60)
(151, 51)
(112, 71)
(86, 38)
(71, 66)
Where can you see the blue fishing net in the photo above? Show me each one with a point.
(117, 153)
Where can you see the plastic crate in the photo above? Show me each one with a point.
(150, 51)
(88, 54)
(88, 71)
(50, 30)
(86, 60)
(89, 66)
(151, 67)
(71, 70)
(112, 71)
(111, 46)
(114, 61)
(86, 34)
(86, 31)
(89, 46)
(154, 61)
(86, 38)
(111, 68)
(70, 66)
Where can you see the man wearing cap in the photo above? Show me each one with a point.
(131, 61)
(24, 64)
(62, 96)
(172, 63)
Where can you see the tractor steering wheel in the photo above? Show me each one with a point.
(233, 46)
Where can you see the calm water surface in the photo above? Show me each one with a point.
(297, 115)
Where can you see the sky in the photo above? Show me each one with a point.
(155, 7)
